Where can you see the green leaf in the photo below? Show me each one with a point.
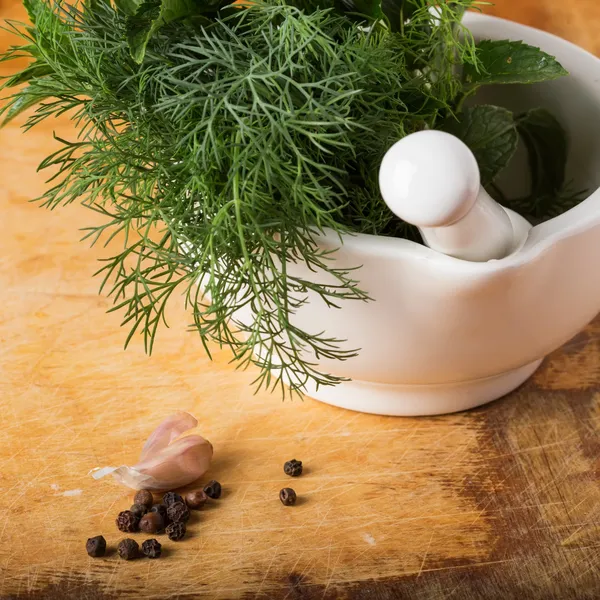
(129, 7)
(141, 27)
(394, 11)
(368, 8)
(310, 6)
(398, 11)
(20, 103)
(504, 61)
(176, 9)
(546, 142)
(547, 146)
(153, 15)
(32, 71)
(491, 134)
(33, 8)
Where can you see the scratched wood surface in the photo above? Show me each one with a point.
(502, 502)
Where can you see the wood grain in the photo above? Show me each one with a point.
(501, 502)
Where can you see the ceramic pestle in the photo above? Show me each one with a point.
(431, 179)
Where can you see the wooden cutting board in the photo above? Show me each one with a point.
(501, 502)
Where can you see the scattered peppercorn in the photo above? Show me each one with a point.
(152, 548)
(293, 468)
(170, 498)
(139, 510)
(144, 497)
(178, 512)
(152, 522)
(96, 546)
(176, 531)
(127, 521)
(287, 496)
(161, 509)
(196, 499)
(213, 489)
(128, 549)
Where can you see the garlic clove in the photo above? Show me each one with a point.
(170, 429)
(180, 463)
(127, 476)
(166, 463)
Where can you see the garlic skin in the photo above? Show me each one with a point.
(166, 462)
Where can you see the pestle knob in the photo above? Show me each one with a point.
(431, 179)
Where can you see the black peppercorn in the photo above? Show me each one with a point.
(170, 498)
(139, 510)
(128, 549)
(213, 489)
(96, 546)
(196, 499)
(144, 497)
(152, 548)
(178, 512)
(161, 509)
(287, 496)
(152, 522)
(176, 531)
(127, 521)
(293, 468)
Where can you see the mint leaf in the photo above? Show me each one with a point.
(18, 104)
(150, 17)
(491, 134)
(368, 8)
(547, 146)
(36, 69)
(504, 61)
(547, 149)
(140, 28)
(153, 15)
(176, 9)
(313, 5)
(371, 9)
(129, 7)
(33, 8)
(395, 12)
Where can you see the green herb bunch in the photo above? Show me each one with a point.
(218, 141)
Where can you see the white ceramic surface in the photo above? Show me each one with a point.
(445, 334)
(431, 179)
